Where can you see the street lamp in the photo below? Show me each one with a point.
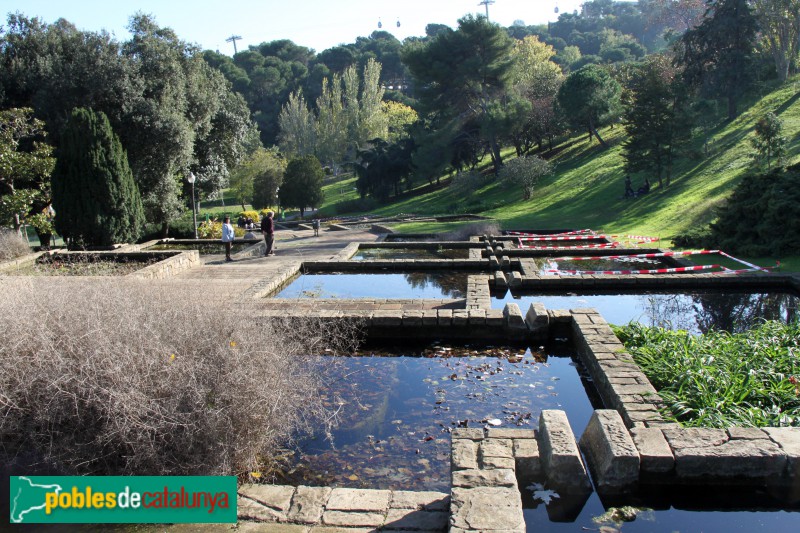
(191, 179)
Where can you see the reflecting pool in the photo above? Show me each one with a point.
(695, 311)
(397, 412)
(367, 254)
(428, 285)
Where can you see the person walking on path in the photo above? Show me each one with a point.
(315, 225)
(268, 229)
(227, 237)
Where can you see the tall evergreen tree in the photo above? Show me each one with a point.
(94, 195)
(589, 98)
(655, 119)
(302, 183)
(717, 54)
(464, 76)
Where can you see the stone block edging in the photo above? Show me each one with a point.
(169, 266)
(343, 508)
(669, 453)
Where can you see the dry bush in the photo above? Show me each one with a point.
(127, 377)
(463, 233)
(12, 245)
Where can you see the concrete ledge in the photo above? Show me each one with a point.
(613, 458)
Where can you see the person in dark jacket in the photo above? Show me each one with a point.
(268, 229)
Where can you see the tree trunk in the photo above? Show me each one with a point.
(731, 106)
(593, 130)
(165, 229)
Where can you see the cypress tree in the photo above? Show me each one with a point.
(96, 200)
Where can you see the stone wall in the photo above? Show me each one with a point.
(170, 266)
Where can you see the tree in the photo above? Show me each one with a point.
(589, 98)
(525, 172)
(297, 127)
(463, 76)
(779, 22)
(769, 143)
(171, 110)
(26, 163)
(268, 168)
(717, 54)
(94, 195)
(400, 118)
(302, 183)
(655, 119)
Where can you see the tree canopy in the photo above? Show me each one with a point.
(302, 183)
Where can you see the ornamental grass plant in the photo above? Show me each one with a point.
(721, 379)
(12, 245)
(135, 377)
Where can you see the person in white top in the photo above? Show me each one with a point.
(227, 237)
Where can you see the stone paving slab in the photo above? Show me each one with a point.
(486, 509)
(422, 500)
(309, 504)
(359, 500)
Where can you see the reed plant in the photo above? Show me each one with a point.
(721, 379)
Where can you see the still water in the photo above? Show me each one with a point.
(430, 285)
(367, 254)
(397, 412)
(696, 311)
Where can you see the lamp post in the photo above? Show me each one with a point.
(191, 179)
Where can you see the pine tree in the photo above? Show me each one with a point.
(719, 52)
(654, 119)
(96, 200)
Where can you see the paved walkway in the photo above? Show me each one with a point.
(220, 280)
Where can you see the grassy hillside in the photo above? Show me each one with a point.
(586, 188)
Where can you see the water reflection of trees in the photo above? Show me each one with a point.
(451, 284)
(733, 312)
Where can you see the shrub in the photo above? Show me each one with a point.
(255, 216)
(762, 216)
(719, 379)
(213, 230)
(524, 172)
(466, 183)
(463, 233)
(12, 245)
(693, 238)
(126, 377)
(357, 205)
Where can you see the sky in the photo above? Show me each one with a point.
(317, 24)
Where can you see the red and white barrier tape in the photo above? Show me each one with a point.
(636, 256)
(577, 246)
(745, 263)
(627, 272)
(566, 238)
(578, 232)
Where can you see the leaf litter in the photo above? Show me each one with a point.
(397, 409)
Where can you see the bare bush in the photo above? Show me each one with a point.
(466, 183)
(12, 245)
(463, 233)
(127, 377)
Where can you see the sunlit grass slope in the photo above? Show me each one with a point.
(585, 191)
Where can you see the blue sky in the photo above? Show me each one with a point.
(318, 24)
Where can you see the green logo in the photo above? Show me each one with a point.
(122, 499)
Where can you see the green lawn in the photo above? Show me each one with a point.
(586, 188)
